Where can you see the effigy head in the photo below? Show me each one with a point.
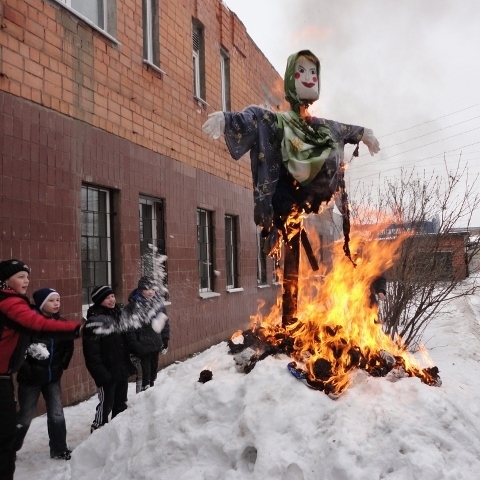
(302, 79)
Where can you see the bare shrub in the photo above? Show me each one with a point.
(429, 271)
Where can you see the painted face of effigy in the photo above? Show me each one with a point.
(306, 79)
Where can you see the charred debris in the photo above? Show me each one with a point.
(253, 345)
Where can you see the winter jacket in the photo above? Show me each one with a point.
(41, 372)
(144, 339)
(106, 356)
(18, 322)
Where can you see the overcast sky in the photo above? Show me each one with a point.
(405, 68)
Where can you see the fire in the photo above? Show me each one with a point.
(337, 328)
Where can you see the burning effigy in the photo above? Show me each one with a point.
(325, 323)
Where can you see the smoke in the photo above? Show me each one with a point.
(387, 65)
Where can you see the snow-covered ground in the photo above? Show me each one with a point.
(269, 426)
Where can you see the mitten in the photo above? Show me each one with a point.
(370, 141)
(215, 125)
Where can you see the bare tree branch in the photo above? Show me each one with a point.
(428, 272)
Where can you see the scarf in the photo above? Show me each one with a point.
(304, 149)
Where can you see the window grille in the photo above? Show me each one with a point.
(96, 240)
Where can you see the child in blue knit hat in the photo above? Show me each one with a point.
(46, 360)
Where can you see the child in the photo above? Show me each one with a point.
(148, 330)
(16, 316)
(41, 373)
(106, 357)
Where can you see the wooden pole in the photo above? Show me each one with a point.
(290, 280)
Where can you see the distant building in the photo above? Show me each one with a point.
(442, 256)
(445, 255)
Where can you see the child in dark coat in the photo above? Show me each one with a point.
(106, 356)
(148, 330)
(41, 372)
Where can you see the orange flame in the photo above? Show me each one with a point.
(337, 327)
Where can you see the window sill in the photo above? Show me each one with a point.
(205, 295)
(234, 290)
(263, 286)
(89, 22)
(200, 101)
(276, 283)
(153, 66)
(167, 303)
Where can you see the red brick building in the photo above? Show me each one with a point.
(448, 251)
(102, 152)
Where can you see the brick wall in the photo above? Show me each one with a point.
(77, 107)
(53, 59)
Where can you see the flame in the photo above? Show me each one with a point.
(337, 328)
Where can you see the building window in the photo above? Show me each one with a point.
(93, 10)
(231, 250)
(261, 260)
(205, 250)
(152, 233)
(198, 61)
(151, 48)
(225, 74)
(96, 240)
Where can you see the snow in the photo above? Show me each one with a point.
(267, 425)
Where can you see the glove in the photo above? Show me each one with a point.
(38, 351)
(215, 125)
(164, 351)
(370, 141)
